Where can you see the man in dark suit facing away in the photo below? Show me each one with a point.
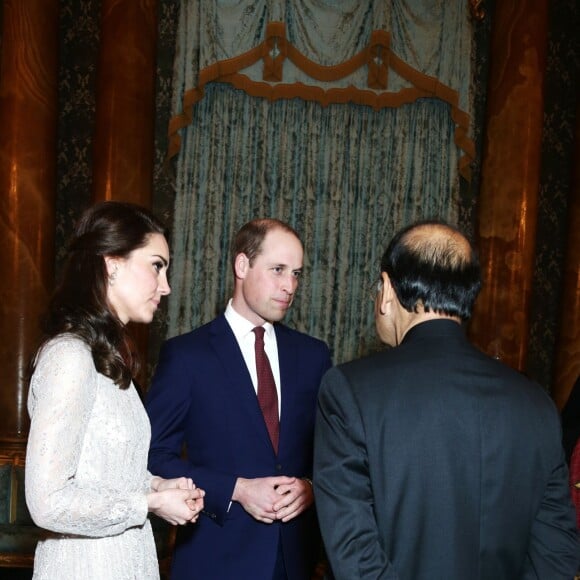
(251, 453)
(434, 461)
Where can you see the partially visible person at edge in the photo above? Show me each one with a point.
(259, 522)
(433, 460)
(86, 461)
(571, 440)
(571, 421)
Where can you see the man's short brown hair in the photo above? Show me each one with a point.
(251, 235)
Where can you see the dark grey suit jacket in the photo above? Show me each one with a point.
(436, 462)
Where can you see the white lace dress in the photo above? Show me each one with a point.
(86, 470)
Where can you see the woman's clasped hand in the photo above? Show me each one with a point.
(177, 501)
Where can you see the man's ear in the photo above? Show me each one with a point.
(386, 295)
(241, 265)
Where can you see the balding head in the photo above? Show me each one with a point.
(438, 244)
(433, 268)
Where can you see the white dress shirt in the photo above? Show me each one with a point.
(242, 330)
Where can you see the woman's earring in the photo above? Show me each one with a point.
(112, 277)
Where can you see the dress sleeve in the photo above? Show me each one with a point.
(62, 394)
(147, 482)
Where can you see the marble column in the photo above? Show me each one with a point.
(125, 113)
(567, 367)
(125, 102)
(507, 210)
(28, 129)
(28, 121)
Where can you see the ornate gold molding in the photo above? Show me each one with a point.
(16, 560)
(477, 12)
(13, 453)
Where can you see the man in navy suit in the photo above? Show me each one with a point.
(433, 461)
(259, 522)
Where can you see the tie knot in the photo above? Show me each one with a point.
(259, 332)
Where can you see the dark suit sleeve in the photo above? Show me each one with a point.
(554, 549)
(342, 487)
(168, 405)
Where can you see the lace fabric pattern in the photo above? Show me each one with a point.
(86, 470)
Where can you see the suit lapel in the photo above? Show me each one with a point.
(238, 382)
(288, 362)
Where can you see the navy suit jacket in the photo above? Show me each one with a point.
(202, 397)
(434, 461)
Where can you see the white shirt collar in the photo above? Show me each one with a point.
(242, 327)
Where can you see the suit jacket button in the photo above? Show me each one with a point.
(278, 467)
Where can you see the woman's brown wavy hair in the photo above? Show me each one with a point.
(79, 304)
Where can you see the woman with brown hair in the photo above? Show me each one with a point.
(86, 463)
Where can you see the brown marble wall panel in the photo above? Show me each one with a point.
(507, 210)
(125, 102)
(28, 120)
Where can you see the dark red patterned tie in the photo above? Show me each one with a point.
(267, 395)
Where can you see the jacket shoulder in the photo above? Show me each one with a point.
(305, 340)
(196, 337)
